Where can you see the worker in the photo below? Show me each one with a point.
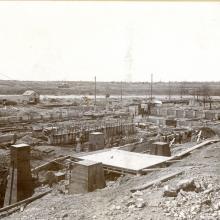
(78, 144)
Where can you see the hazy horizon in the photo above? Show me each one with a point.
(97, 81)
(114, 41)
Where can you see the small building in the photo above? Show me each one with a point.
(30, 96)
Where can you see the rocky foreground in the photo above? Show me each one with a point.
(195, 194)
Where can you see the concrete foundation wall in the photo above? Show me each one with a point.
(180, 113)
(171, 112)
(70, 138)
(190, 114)
(38, 117)
(184, 113)
(210, 115)
(199, 114)
(163, 112)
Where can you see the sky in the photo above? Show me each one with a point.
(114, 41)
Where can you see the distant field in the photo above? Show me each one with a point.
(112, 88)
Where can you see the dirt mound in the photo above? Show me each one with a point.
(207, 132)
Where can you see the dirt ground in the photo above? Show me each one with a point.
(117, 202)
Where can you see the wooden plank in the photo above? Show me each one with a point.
(122, 170)
(162, 179)
(114, 171)
(177, 157)
(36, 169)
(194, 148)
(25, 201)
(172, 161)
(152, 169)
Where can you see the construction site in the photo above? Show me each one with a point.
(109, 110)
(109, 157)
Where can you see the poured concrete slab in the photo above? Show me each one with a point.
(125, 159)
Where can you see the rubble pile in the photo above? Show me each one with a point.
(27, 139)
(4, 158)
(192, 199)
(128, 205)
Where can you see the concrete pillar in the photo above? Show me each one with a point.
(20, 185)
(184, 113)
(160, 149)
(50, 139)
(86, 176)
(158, 111)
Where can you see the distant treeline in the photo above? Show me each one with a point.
(112, 88)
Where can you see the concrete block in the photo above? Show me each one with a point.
(86, 176)
(210, 115)
(171, 122)
(163, 112)
(171, 112)
(160, 149)
(190, 113)
(180, 113)
(97, 139)
(198, 114)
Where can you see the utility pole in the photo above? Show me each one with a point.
(95, 95)
(151, 87)
(147, 89)
(169, 90)
(121, 93)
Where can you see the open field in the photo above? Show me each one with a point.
(113, 88)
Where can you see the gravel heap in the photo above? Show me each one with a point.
(197, 198)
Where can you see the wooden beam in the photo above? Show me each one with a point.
(172, 161)
(25, 201)
(114, 171)
(194, 148)
(36, 169)
(162, 179)
(152, 169)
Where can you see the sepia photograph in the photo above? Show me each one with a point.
(109, 110)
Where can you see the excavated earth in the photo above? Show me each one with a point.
(202, 201)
